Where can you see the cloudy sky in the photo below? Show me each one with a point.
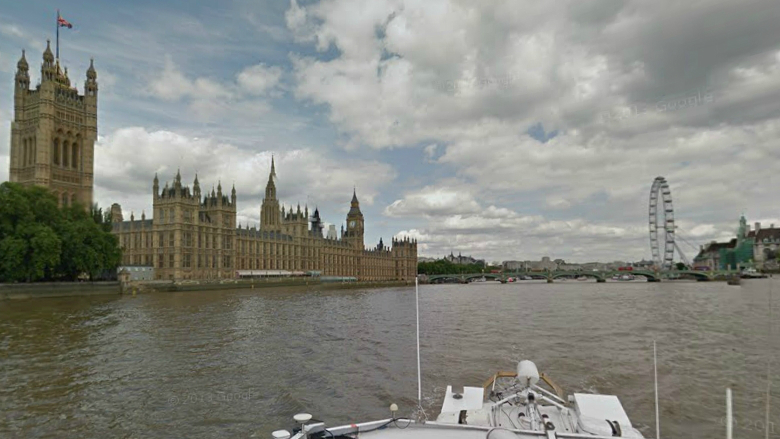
(500, 129)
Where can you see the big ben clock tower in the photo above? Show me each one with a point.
(355, 223)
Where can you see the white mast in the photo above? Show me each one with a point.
(657, 416)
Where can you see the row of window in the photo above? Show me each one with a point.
(65, 199)
(188, 216)
(204, 261)
(65, 154)
(168, 239)
(28, 151)
(69, 117)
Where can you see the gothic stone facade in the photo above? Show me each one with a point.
(194, 236)
(54, 130)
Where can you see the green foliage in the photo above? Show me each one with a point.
(103, 219)
(445, 267)
(40, 241)
(681, 266)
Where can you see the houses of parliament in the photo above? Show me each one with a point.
(193, 234)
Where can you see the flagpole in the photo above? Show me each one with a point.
(58, 35)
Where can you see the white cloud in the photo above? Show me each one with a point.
(209, 98)
(430, 151)
(174, 85)
(259, 79)
(432, 201)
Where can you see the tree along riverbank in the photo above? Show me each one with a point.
(40, 241)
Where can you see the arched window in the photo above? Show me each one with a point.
(32, 151)
(24, 152)
(73, 199)
(55, 152)
(64, 200)
(65, 154)
(75, 152)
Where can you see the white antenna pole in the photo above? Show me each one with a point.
(657, 416)
(769, 365)
(729, 425)
(419, 379)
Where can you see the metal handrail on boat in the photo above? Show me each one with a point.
(380, 424)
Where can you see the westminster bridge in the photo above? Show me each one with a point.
(600, 276)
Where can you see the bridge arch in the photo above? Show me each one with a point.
(465, 276)
(698, 275)
(650, 275)
(591, 274)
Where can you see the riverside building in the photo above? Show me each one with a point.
(194, 236)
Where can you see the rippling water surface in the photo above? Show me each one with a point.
(233, 363)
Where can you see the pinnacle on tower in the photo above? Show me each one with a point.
(48, 56)
(22, 65)
(273, 167)
(91, 73)
(22, 73)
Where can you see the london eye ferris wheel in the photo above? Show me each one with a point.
(662, 226)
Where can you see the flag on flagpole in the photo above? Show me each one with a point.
(63, 22)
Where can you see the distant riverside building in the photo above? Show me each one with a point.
(750, 248)
(544, 265)
(766, 244)
(643, 264)
(54, 130)
(463, 260)
(194, 236)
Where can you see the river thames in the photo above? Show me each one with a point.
(235, 363)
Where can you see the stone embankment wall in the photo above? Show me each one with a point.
(228, 284)
(68, 289)
(57, 289)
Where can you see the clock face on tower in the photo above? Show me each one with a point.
(352, 223)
